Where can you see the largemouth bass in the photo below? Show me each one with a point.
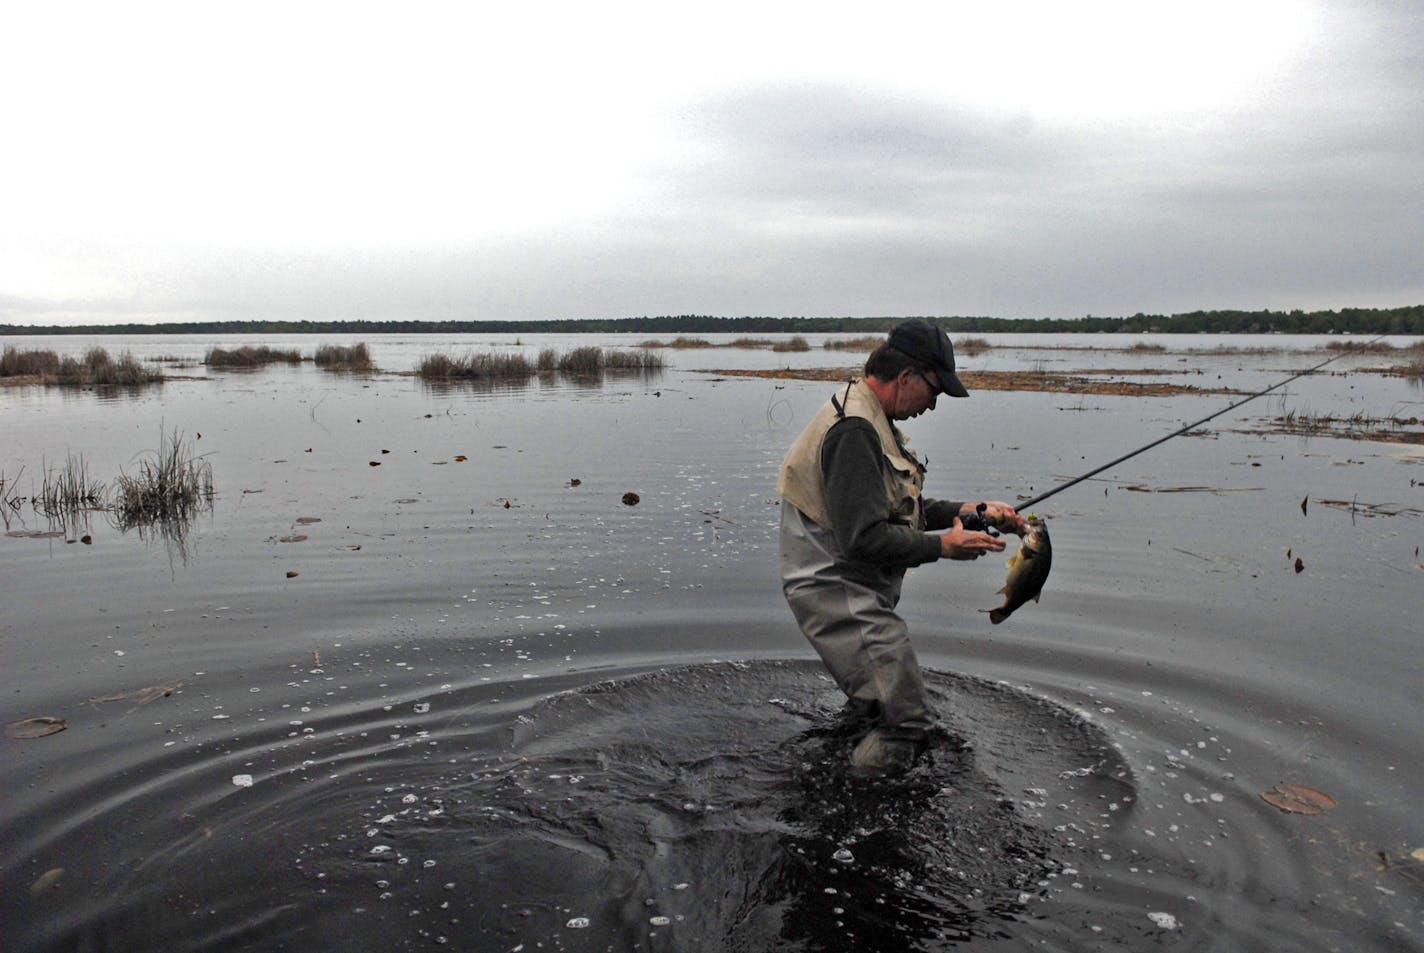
(1028, 570)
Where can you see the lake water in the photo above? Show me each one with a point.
(497, 708)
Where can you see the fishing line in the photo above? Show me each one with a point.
(1177, 433)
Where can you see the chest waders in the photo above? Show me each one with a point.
(846, 608)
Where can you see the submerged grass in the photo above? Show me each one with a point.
(337, 357)
(173, 484)
(250, 356)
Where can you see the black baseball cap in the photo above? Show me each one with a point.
(930, 346)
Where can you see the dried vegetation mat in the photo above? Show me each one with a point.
(1057, 382)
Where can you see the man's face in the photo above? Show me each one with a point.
(916, 393)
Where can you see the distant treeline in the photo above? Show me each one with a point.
(1409, 320)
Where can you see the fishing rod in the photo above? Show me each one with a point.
(1177, 433)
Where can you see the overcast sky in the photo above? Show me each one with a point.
(197, 161)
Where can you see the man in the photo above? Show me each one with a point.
(853, 520)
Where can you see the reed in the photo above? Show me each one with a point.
(17, 363)
(868, 342)
(796, 343)
(337, 357)
(1144, 347)
(971, 346)
(588, 361)
(250, 356)
(1363, 347)
(474, 366)
(752, 342)
(173, 484)
(69, 489)
(97, 369)
(679, 342)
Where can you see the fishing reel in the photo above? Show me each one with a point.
(979, 521)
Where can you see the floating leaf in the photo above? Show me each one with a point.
(375, 463)
(48, 880)
(460, 458)
(575, 481)
(141, 696)
(1295, 799)
(1302, 505)
(35, 727)
(294, 538)
(385, 451)
(631, 499)
(1299, 564)
(307, 520)
(1417, 853)
(292, 574)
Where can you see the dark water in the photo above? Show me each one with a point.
(525, 715)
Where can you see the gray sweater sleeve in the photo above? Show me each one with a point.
(861, 518)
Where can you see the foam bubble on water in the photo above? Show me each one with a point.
(242, 780)
(659, 921)
(843, 855)
(1163, 920)
(577, 923)
(422, 707)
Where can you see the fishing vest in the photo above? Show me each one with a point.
(802, 482)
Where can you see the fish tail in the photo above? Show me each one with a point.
(997, 615)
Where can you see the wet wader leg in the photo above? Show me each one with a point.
(852, 626)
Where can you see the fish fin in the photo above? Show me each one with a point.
(1036, 595)
(1004, 591)
(997, 615)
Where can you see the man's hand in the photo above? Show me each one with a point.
(961, 543)
(1001, 516)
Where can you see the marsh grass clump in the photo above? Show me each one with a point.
(250, 356)
(17, 363)
(485, 366)
(677, 342)
(173, 484)
(1146, 347)
(795, 343)
(615, 360)
(971, 346)
(70, 489)
(752, 342)
(95, 369)
(868, 342)
(337, 357)
(589, 361)
(1360, 347)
